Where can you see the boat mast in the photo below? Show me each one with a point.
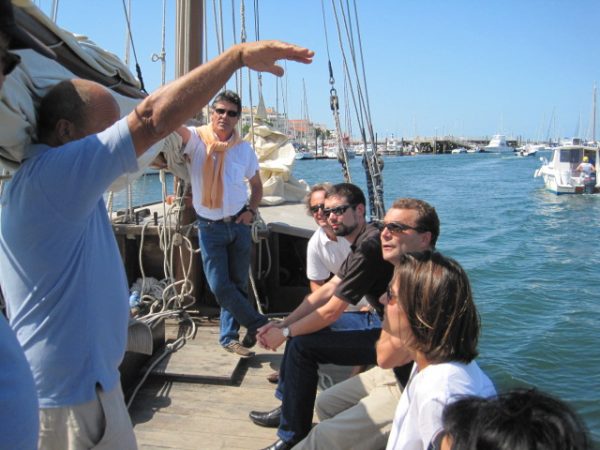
(188, 36)
(127, 35)
(594, 115)
(162, 55)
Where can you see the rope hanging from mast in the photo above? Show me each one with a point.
(334, 104)
(138, 68)
(371, 162)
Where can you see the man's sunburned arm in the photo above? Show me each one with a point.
(169, 107)
(320, 318)
(313, 301)
(315, 284)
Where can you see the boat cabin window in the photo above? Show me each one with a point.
(571, 156)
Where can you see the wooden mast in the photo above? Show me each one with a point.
(188, 55)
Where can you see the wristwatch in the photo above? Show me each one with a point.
(286, 332)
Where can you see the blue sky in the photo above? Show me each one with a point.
(467, 68)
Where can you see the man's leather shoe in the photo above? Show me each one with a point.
(279, 445)
(249, 340)
(268, 419)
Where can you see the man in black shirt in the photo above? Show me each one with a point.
(319, 331)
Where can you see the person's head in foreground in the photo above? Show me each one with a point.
(520, 419)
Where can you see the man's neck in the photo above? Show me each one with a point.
(357, 232)
(222, 136)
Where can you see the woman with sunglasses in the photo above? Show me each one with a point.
(430, 318)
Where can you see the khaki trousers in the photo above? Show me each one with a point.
(101, 424)
(356, 413)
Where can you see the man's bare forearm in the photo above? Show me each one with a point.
(170, 106)
(310, 303)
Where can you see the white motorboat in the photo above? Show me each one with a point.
(530, 149)
(459, 150)
(304, 154)
(498, 145)
(560, 174)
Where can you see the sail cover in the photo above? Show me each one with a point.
(276, 157)
(77, 56)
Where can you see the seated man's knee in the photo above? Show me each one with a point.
(323, 407)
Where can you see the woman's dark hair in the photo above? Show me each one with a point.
(435, 294)
(520, 419)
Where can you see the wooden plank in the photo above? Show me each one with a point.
(173, 414)
(201, 359)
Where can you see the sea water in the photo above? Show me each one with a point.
(531, 256)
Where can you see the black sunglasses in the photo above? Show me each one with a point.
(338, 210)
(9, 62)
(396, 227)
(314, 209)
(229, 112)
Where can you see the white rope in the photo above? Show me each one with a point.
(257, 229)
(109, 203)
(325, 381)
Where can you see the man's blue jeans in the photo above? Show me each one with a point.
(225, 250)
(349, 341)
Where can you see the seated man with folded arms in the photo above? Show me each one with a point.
(325, 251)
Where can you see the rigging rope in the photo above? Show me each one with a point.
(138, 69)
(371, 161)
(334, 104)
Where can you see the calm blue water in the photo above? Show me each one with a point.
(532, 258)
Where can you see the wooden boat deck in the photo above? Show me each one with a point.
(207, 408)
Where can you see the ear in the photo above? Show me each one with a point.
(427, 239)
(64, 131)
(360, 209)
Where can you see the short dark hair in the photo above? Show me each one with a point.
(350, 191)
(520, 419)
(229, 96)
(63, 101)
(315, 188)
(435, 294)
(428, 219)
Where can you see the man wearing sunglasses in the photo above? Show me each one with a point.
(219, 162)
(19, 421)
(360, 413)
